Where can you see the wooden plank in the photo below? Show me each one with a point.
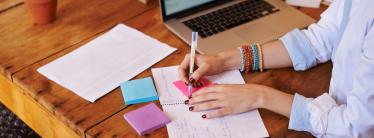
(8, 4)
(31, 112)
(313, 12)
(146, 1)
(298, 134)
(24, 44)
(76, 24)
(74, 111)
(121, 128)
(309, 83)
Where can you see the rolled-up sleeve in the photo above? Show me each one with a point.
(300, 116)
(314, 45)
(298, 47)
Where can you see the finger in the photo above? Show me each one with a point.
(204, 97)
(206, 106)
(204, 91)
(215, 88)
(201, 71)
(217, 113)
(183, 68)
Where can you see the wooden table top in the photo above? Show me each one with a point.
(76, 21)
(29, 47)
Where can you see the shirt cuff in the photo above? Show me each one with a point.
(300, 116)
(299, 50)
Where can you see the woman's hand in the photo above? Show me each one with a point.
(209, 64)
(228, 99)
(225, 100)
(206, 65)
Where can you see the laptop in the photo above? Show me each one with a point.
(227, 24)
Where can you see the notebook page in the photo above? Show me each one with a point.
(187, 124)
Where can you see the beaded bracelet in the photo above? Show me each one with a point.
(249, 63)
(255, 57)
(252, 58)
(261, 60)
(243, 59)
(248, 60)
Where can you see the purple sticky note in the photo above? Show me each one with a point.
(147, 119)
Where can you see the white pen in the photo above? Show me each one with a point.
(192, 59)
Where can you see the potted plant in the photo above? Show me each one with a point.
(42, 11)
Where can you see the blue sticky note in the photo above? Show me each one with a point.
(139, 91)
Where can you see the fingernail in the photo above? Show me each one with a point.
(199, 84)
(191, 108)
(186, 102)
(203, 116)
(194, 85)
(192, 80)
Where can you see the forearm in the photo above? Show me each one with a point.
(276, 101)
(230, 59)
(275, 55)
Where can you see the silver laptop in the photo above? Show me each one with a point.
(226, 24)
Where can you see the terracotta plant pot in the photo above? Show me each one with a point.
(42, 11)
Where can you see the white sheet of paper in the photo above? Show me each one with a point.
(99, 66)
(187, 124)
(304, 3)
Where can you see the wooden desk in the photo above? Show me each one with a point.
(53, 111)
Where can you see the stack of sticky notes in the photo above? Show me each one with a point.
(146, 119)
(184, 88)
(139, 91)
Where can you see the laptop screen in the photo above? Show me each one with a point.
(175, 6)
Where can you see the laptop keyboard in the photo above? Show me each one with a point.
(230, 17)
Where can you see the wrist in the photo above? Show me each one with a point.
(230, 60)
(262, 98)
(276, 101)
(265, 98)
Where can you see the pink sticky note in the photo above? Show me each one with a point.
(184, 88)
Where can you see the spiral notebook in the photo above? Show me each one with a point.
(187, 124)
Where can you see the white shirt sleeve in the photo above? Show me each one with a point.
(315, 44)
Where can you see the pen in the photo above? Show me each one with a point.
(192, 59)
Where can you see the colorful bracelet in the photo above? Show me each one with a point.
(255, 57)
(261, 60)
(245, 54)
(242, 67)
(249, 62)
(252, 58)
(245, 57)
